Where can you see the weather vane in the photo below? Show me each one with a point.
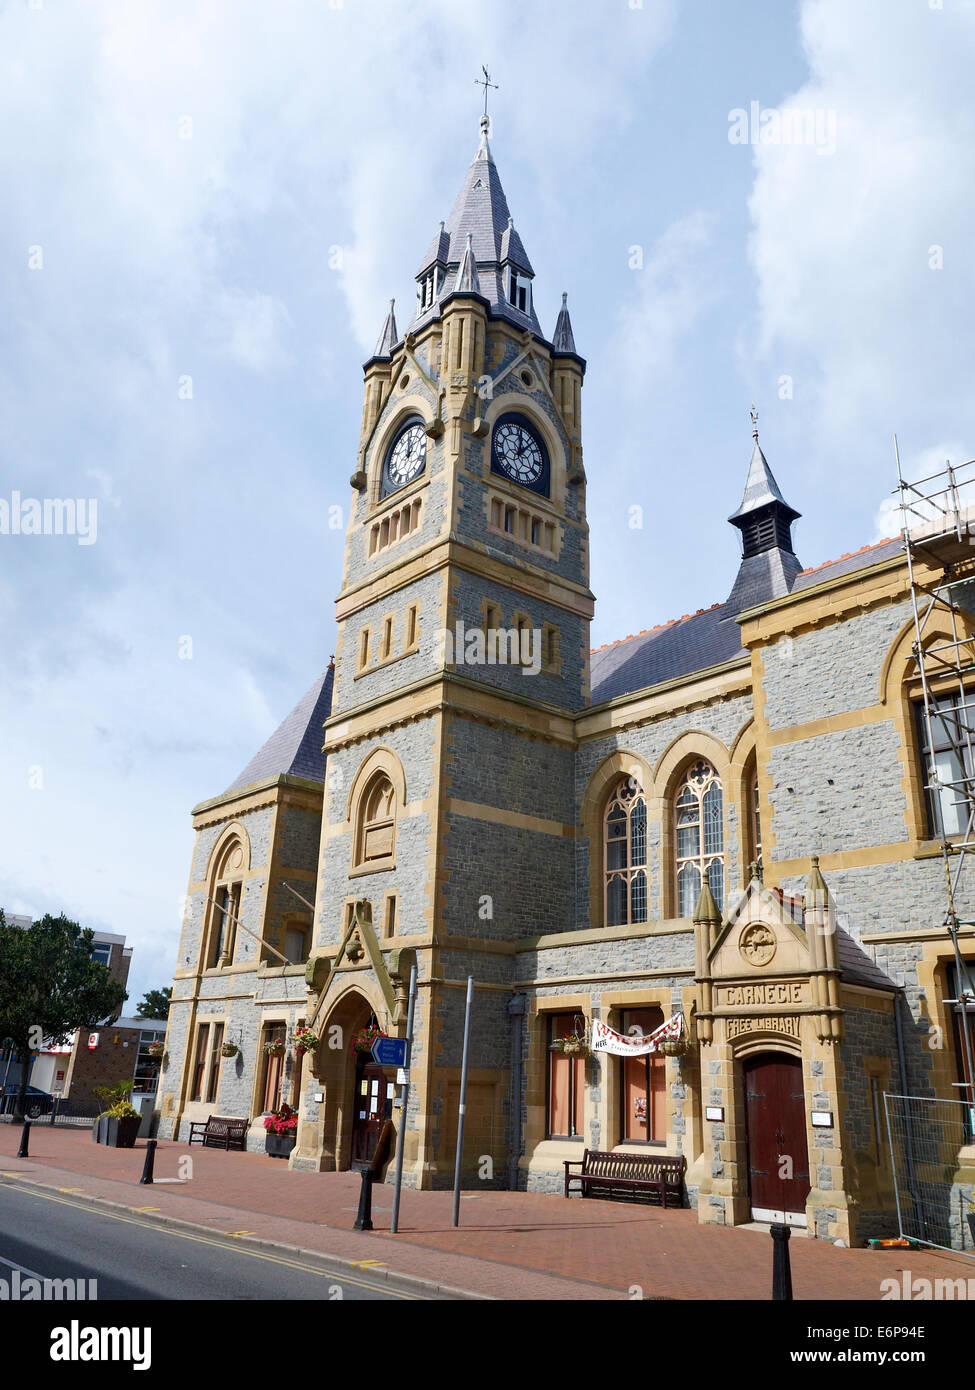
(754, 415)
(485, 82)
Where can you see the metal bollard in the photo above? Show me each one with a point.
(781, 1265)
(363, 1220)
(150, 1160)
(55, 1104)
(24, 1141)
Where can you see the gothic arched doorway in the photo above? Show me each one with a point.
(349, 1133)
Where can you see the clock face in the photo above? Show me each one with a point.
(518, 453)
(407, 456)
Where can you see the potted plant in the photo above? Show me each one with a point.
(275, 1048)
(363, 1038)
(305, 1040)
(674, 1047)
(229, 1049)
(281, 1132)
(118, 1125)
(155, 1049)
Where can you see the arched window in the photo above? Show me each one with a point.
(625, 854)
(225, 907)
(699, 813)
(377, 824)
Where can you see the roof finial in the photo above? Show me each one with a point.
(485, 82)
(754, 415)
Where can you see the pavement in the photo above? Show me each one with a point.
(509, 1245)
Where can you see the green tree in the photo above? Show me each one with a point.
(154, 1003)
(50, 986)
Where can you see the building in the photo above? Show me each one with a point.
(723, 816)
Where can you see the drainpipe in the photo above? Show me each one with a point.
(516, 1012)
(900, 998)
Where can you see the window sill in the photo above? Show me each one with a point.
(386, 661)
(381, 866)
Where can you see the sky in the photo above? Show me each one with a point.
(206, 208)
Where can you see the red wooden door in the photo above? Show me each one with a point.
(372, 1091)
(778, 1160)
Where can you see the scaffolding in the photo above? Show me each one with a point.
(938, 531)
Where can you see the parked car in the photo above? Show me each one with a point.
(36, 1103)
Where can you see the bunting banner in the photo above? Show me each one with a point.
(605, 1039)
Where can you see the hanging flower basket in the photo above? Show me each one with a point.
(305, 1040)
(229, 1049)
(675, 1047)
(572, 1047)
(275, 1048)
(363, 1038)
(155, 1049)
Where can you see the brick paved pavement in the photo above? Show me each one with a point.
(509, 1245)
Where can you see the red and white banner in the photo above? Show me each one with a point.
(605, 1039)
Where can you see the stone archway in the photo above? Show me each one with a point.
(334, 1065)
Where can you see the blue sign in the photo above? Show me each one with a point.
(389, 1052)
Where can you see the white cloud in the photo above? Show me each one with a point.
(671, 287)
(843, 243)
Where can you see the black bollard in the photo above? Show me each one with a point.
(363, 1221)
(781, 1265)
(150, 1160)
(24, 1141)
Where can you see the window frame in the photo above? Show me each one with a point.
(631, 870)
(576, 1079)
(703, 860)
(654, 1064)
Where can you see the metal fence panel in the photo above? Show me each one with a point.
(925, 1136)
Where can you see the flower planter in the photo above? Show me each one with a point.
(116, 1134)
(274, 1049)
(279, 1145)
(364, 1039)
(674, 1047)
(156, 1049)
(229, 1050)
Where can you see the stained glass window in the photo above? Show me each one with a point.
(699, 815)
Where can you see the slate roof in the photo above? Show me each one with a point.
(706, 638)
(295, 747)
(761, 489)
(856, 967)
(481, 212)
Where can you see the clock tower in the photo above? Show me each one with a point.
(462, 659)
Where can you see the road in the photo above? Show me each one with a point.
(54, 1236)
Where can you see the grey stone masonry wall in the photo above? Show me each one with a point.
(510, 771)
(837, 791)
(834, 669)
(412, 879)
(565, 690)
(380, 677)
(617, 957)
(867, 1033)
(505, 881)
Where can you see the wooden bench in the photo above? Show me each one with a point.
(221, 1132)
(623, 1174)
